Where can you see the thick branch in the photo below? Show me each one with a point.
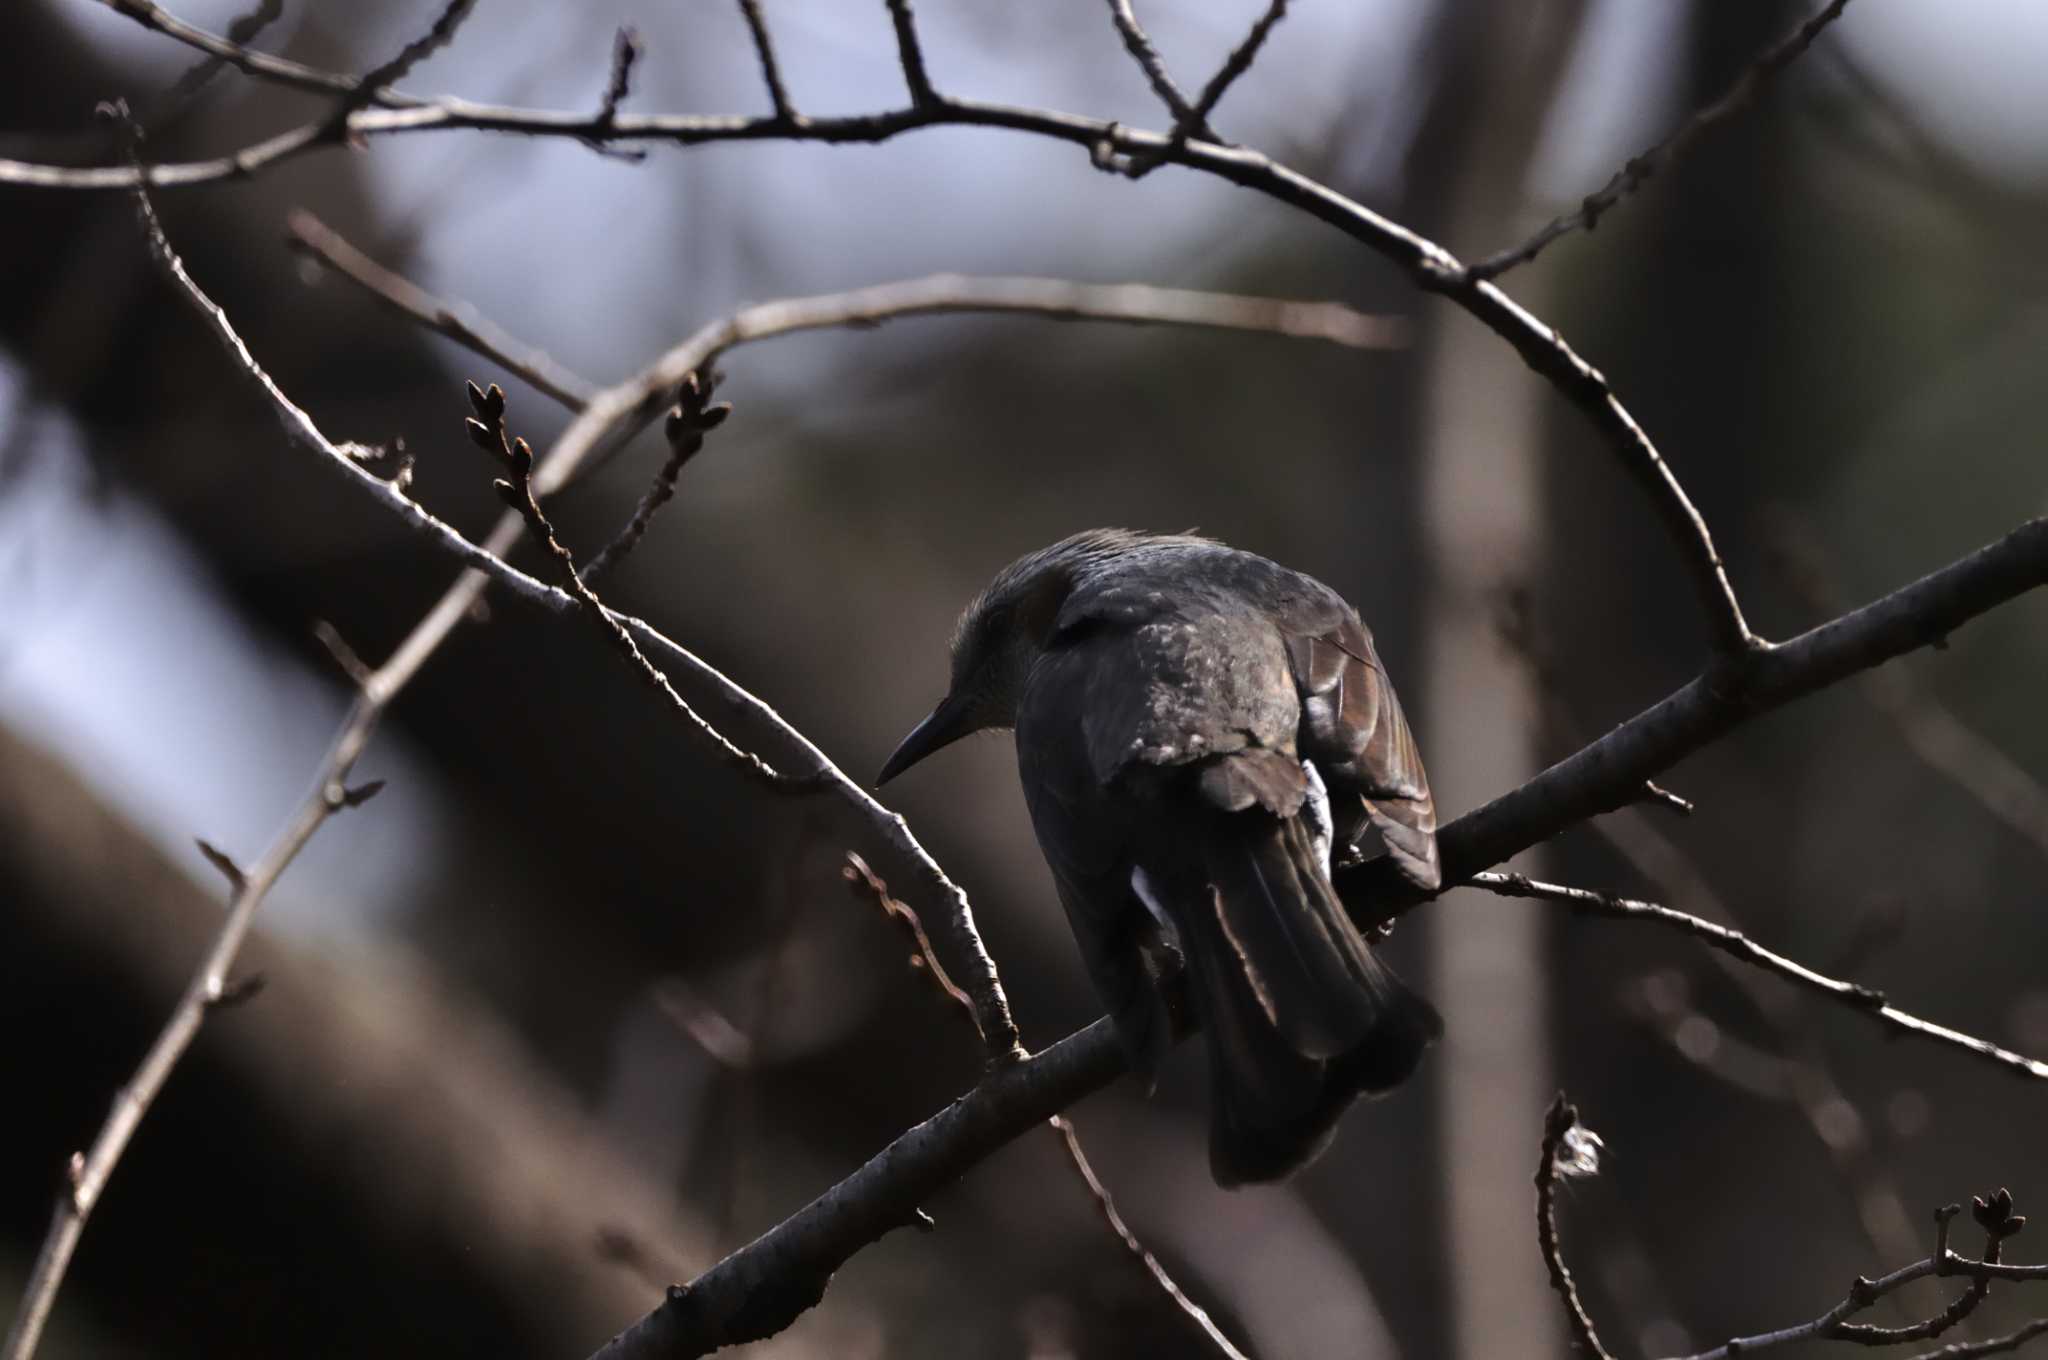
(1609, 773)
(762, 1287)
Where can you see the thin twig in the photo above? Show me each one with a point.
(764, 51)
(1993, 1213)
(1863, 1000)
(618, 84)
(487, 430)
(1167, 1284)
(911, 53)
(244, 30)
(625, 52)
(1139, 44)
(1642, 166)
(456, 320)
(1653, 792)
(1236, 64)
(1194, 121)
(1797, 1073)
(692, 417)
(1996, 1345)
(1561, 1119)
(923, 958)
(437, 36)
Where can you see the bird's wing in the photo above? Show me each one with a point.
(1085, 833)
(1181, 686)
(1353, 729)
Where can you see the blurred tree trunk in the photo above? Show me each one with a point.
(1482, 509)
(359, 1159)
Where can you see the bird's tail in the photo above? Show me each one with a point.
(1299, 1016)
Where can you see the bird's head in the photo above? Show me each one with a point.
(999, 639)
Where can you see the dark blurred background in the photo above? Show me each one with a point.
(571, 1010)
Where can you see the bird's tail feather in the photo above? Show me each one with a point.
(1299, 1015)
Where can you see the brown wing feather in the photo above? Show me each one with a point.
(1353, 729)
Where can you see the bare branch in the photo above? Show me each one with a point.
(923, 957)
(237, 878)
(244, 30)
(911, 53)
(344, 655)
(1931, 729)
(818, 1238)
(1236, 64)
(1194, 1311)
(487, 429)
(1609, 773)
(618, 84)
(232, 50)
(438, 36)
(1653, 792)
(1641, 167)
(1996, 1345)
(692, 417)
(759, 1289)
(1139, 44)
(1993, 1214)
(1562, 1119)
(456, 320)
(210, 987)
(764, 49)
(984, 986)
(865, 881)
(1864, 1000)
(1796, 1071)
(1428, 265)
(625, 52)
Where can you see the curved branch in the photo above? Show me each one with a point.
(1428, 265)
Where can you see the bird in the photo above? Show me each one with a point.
(1201, 733)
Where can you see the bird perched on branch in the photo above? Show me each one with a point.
(1198, 731)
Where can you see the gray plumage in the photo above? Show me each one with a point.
(1197, 729)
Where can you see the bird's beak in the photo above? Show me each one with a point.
(949, 722)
